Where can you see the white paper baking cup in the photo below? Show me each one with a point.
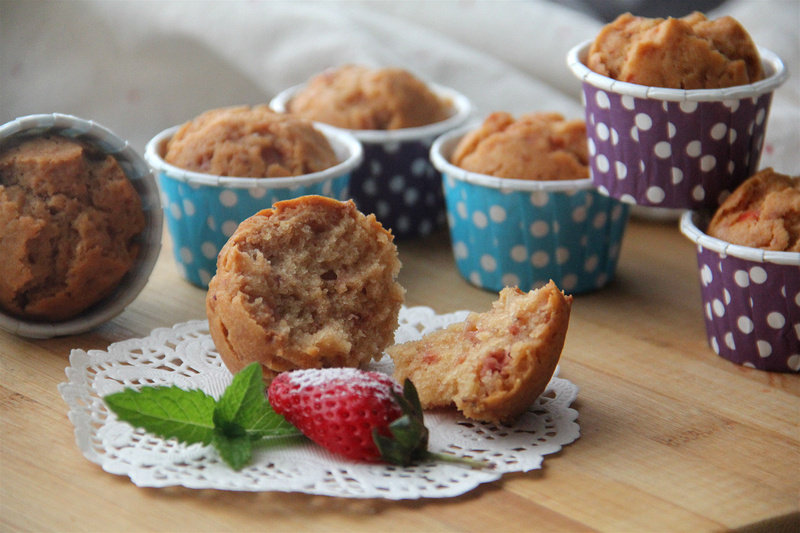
(203, 210)
(396, 181)
(138, 172)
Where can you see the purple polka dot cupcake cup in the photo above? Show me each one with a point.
(674, 148)
(396, 181)
(203, 210)
(751, 300)
(523, 233)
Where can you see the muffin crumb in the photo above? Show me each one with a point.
(310, 283)
(495, 364)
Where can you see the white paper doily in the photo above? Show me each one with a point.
(184, 355)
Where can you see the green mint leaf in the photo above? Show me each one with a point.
(242, 398)
(240, 419)
(235, 450)
(244, 403)
(169, 412)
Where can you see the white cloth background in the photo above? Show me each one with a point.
(139, 67)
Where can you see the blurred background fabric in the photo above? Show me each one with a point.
(139, 67)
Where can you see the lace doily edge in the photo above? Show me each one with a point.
(80, 417)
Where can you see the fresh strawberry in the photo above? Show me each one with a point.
(362, 415)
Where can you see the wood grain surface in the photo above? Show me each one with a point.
(673, 437)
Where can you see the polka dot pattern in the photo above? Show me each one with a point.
(526, 238)
(672, 154)
(752, 311)
(201, 218)
(397, 182)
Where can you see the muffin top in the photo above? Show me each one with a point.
(692, 52)
(253, 142)
(362, 98)
(763, 212)
(70, 220)
(536, 146)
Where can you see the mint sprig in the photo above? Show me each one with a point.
(234, 424)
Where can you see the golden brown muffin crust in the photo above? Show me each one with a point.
(763, 212)
(70, 220)
(362, 98)
(249, 142)
(692, 52)
(536, 146)
(310, 283)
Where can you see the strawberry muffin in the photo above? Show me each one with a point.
(692, 52)
(310, 283)
(763, 212)
(536, 146)
(252, 142)
(72, 223)
(495, 364)
(363, 98)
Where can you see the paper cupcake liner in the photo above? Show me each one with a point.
(674, 148)
(137, 171)
(396, 181)
(204, 210)
(751, 300)
(509, 232)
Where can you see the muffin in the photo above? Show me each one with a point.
(249, 142)
(763, 212)
(72, 225)
(692, 52)
(310, 283)
(748, 258)
(537, 146)
(204, 208)
(676, 109)
(357, 97)
(515, 224)
(396, 117)
(495, 364)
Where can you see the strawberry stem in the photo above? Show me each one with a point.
(409, 440)
(475, 464)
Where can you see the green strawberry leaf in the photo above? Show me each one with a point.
(169, 412)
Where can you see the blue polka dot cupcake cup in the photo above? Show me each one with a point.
(141, 177)
(751, 300)
(396, 181)
(203, 210)
(674, 148)
(512, 232)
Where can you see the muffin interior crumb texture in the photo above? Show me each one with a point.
(253, 142)
(692, 52)
(308, 284)
(362, 98)
(70, 221)
(763, 212)
(495, 364)
(536, 146)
